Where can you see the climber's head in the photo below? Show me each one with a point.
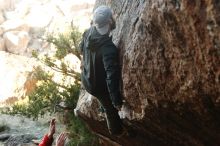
(103, 20)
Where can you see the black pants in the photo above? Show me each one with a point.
(111, 113)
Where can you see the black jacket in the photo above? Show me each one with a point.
(100, 65)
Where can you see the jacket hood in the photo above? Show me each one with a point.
(96, 40)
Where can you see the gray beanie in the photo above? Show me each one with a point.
(101, 18)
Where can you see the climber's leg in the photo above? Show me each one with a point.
(113, 120)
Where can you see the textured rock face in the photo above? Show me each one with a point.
(16, 42)
(170, 63)
(16, 77)
(2, 44)
(7, 5)
(2, 19)
(1, 31)
(15, 25)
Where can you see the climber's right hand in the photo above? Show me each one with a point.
(61, 139)
(118, 107)
(52, 128)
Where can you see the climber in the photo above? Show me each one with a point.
(100, 67)
(48, 138)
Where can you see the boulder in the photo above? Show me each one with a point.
(2, 19)
(40, 15)
(2, 44)
(169, 53)
(10, 15)
(16, 41)
(16, 78)
(34, 45)
(85, 102)
(1, 31)
(7, 4)
(15, 25)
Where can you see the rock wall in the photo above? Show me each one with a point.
(170, 59)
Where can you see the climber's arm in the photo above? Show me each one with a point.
(46, 141)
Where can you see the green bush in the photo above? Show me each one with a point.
(81, 136)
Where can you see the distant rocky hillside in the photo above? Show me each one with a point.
(24, 25)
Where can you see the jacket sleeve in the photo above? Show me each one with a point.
(46, 141)
(81, 44)
(111, 65)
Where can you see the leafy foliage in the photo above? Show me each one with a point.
(69, 41)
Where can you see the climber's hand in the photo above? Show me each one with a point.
(51, 128)
(118, 107)
(61, 139)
